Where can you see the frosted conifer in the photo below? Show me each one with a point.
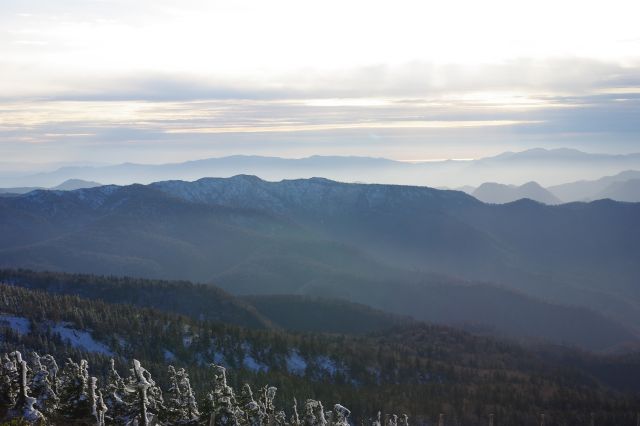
(222, 399)
(295, 418)
(42, 387)
(115, 395)
(253, 415)
(74, 396)
(140, 404)
(340, 415)
(180, 402)
(9, 385)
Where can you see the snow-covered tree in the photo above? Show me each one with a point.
(98, 409)
(49, 363)
(28, 395)
(101, 410)
(115, 394)
(180, 402)
(404, 420)
(314, 413)
(391, 420)
(224, 405)
(145, 401)
(24, 404)
(9, 382)
(75, 401)
(267, 396)
(251, 412)
(340, 415)
(377, 421)
(295, 418)
(42, 388)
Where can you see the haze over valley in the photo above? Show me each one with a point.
(249, 213)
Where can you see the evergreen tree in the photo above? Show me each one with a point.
(340, 415)
(145, 401)
(9, 386)
(75, 401)
(225, 411)
(42, 388)
(253, 414)
(115, 395)
(101, 410)
(180, 402)
(24, 407)
(295, 418)
(49, 363)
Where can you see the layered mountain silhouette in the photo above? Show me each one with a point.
(624, 186)
(547, 167)
(499, 194)
(566, 273)
(621, 187)
(628, 190)
(67, 185)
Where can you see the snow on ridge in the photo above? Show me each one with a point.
(187, 340)
(80, 339)
(328, 365)
(250, 363)
(219, 358)
(296, 364)
(169, 356)
(20, 325)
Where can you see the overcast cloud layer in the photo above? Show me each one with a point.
(156, 81)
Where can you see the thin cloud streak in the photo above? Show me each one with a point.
(416, 79)
(320, 127)
(154, 79)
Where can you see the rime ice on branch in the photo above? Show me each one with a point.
(42, 393)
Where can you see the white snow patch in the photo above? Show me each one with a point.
(122, 342)
(327, 364)
(250, 363)
(187, 340)
(218, 358)
(296, 364)
(18, 324)
(80, 339)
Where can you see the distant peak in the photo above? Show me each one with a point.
(72, 184)
(247, 178)
(532, 184)
(537, 152)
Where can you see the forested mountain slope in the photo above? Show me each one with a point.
(207, 302)
(391, 247)
(421, 370)
(470, 306)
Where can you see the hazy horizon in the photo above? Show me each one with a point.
(166, 81)
(52, 165)
(416, 212)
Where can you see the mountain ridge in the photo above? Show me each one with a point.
(388, 246)
(510, 167)
(496, 193)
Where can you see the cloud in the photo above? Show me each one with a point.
(411, 80)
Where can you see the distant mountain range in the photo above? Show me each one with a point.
(621, 187)
(565, 273)
(499, 194)
(67, 185)
(624, 186)
(547, 167)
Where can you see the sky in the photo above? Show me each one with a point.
(152, 81)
